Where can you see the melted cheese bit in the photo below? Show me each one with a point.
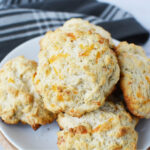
(60, 98)
(56, 57)
(87, 50)
(72, 36)
(104, 127)
(97, 56)
(147, 78)
(10, 80)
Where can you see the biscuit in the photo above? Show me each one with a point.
(73, 25)
(108, 128)
(76, 72)
(76, 23)
(135, 78)
(19, 101)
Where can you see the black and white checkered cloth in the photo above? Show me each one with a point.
(21, 20)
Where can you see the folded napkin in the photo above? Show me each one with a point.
(21, 20)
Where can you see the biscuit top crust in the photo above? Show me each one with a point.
(108, 114)
(131, 49)
(73, 25)
(76, 23)
(19, 100)
(77, 71)
(135, 78)
(108, 128)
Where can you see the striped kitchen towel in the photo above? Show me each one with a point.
(21, 20)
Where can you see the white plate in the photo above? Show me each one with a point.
(25, 138)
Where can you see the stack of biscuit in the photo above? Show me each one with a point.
(74, 82)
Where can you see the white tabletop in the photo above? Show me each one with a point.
(140, 9)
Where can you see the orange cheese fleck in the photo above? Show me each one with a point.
(104, 127)
(101, 41)
(10, 80)
(147, 101)
(87, 50)
(34, 75)
(139, 95)
(129, 82)
(60, 98)
(97, 56)
(47, 72)
(52, 105)
(56, 57)
(97, 129)
(72, 110)
(98, 103)
(17, 92)
(37, 81)
(75, 92)
(54, 87)
(148, 79)
(71, 35)
(90, 31)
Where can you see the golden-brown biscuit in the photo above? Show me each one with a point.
(108, 128)
(19, 100)
(77, 71)
(135, 78)
(74, 25)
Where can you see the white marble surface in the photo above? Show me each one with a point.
(140, 9)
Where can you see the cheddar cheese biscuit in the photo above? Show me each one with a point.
(19, 101)
(77, 71)
(73, 25)
(135, 78)
(108, 128)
